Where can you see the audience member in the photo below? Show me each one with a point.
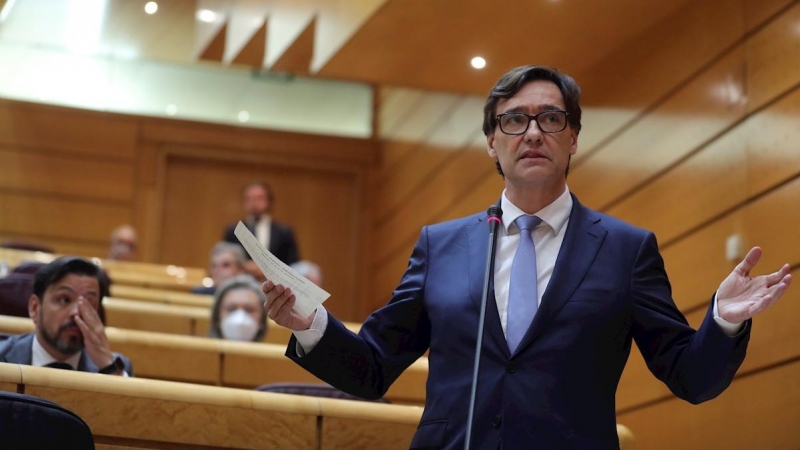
(123, 244)
(309, 270)
(275, 237)
(67, 295)
(238, 311)
(225, 262)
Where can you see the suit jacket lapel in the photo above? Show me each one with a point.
(582, 240)
(478, 240)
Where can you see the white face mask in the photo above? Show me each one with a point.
(239, 326)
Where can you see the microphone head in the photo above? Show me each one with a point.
(494, 212)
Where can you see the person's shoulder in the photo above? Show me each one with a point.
(609, 223)
(12, 342)
(455, 224)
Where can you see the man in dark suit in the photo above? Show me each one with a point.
(571, 289)
(276, 237)
(67, 294)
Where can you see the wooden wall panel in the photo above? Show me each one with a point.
(758, 11)
(701, 188)
(204, 196)
(771, 56)
(24, 170)
(774, 144)
(35, 216)
(46, 127)
(758, 411)
(709, 104)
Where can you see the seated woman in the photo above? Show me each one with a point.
(238, 311)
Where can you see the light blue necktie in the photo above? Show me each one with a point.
(523, 298)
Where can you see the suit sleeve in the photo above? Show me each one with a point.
(292, 252)
(393, 337)
(695, 365)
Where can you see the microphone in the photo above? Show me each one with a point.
(495, 213)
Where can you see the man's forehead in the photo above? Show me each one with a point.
(73, 282)
(537, 93)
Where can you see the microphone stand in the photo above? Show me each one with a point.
(494, 213)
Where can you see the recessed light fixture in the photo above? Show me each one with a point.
(172, 109)
(151, 7)
(206, 15)
(478, 62)
(243, 116)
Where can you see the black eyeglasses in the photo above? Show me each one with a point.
(516, 123)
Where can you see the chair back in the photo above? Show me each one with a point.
(15, 291)
(32, 423)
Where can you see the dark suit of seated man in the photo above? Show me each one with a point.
(69, 333)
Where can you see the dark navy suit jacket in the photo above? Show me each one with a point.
(557, 391)
(17, 350)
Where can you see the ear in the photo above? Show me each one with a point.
(573, 148)
(490, 146)
(34, 303)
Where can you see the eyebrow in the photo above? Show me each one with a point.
(541, 108)
(69, 288)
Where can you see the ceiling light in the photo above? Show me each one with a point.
(172, 109)
(478, 62)
(244, 116)
(151, 7)
(206, 15)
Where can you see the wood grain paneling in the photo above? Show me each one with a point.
(758, 411)
(758, 11)
(771, 56)
(24, 214)
(704, 186)
(23, 170)
(60, 129)
(705, 107)
(773, 144)
(61, 246)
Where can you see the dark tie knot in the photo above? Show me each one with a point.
(527, 223)
(60, 365)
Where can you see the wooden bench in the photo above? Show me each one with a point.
(221, 362)
(123, 272)
(132, 413)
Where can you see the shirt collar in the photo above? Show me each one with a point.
(40, 356)
(555, 215)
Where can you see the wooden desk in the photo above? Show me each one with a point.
(220, 362)
(141, 414)
(123, 272)
(161, 296)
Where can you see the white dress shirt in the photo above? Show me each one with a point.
(263, 226)
(547, 239)
(40, 357)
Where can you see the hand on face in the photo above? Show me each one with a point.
(740, 297)
(280, 302)
(94, 334)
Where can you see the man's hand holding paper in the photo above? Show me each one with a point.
(292, 299)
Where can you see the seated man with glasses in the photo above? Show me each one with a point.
(69, 333)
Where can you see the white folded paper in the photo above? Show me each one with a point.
(309, 295)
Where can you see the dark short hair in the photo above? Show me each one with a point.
(263, 185)
(510, 83)
(54, 272)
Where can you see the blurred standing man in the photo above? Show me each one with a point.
(276, 237)
(571, 289)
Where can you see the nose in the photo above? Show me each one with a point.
(533, 132)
